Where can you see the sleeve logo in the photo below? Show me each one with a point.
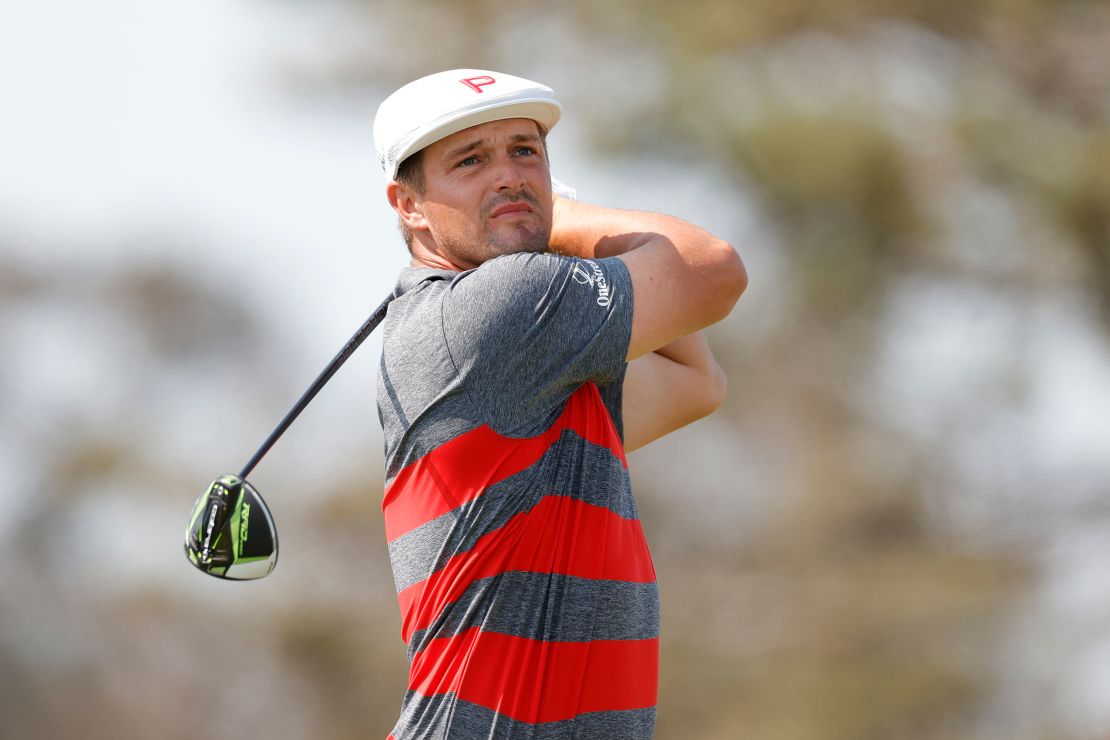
(595, 279)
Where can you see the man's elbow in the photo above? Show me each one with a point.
(710, 395)
(716, 387)
(729, 276)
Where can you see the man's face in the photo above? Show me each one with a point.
(488, 192)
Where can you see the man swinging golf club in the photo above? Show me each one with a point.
(531, 343)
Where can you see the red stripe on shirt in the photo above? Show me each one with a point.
(499, 672)
(460, 470)
(559, 535)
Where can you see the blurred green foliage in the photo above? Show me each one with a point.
(881, 625)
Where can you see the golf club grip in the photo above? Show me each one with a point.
(348, 349)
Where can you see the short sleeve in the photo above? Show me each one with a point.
(525, 330)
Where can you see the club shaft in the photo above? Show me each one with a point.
(344, 354)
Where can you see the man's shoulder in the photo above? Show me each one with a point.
(414, 278)
(502, 282)
(537, 281)
(520, 264)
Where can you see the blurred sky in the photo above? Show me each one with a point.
(126, 116)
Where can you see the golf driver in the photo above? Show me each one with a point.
(231, 533)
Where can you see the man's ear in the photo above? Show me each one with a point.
(407, 206)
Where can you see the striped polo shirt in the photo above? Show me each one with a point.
(528, 598)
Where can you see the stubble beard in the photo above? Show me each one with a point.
(495, 244)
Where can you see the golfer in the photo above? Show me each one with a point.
(534, 341)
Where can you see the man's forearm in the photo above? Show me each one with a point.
(591, 231)
(669, 388)
(693, 351)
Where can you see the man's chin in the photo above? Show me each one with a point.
(518, 244)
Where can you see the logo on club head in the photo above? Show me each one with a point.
(244, 526)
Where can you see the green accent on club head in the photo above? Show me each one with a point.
(233, 527)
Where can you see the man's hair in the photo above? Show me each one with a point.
(410, 173)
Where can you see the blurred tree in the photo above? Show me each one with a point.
(881, 620)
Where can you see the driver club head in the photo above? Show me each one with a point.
(231, 533)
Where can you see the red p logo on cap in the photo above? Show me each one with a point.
(476, 83)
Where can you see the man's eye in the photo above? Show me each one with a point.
(525, 151)
(472, 159)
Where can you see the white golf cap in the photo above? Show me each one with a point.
(434, 107)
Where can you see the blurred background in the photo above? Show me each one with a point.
(897, 527)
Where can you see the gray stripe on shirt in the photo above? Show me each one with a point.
(551, 607)
(429, 718)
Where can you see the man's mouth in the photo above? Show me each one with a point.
(510, 208)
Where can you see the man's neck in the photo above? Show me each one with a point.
(422, 256)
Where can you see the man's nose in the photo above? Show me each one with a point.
(508, 174)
